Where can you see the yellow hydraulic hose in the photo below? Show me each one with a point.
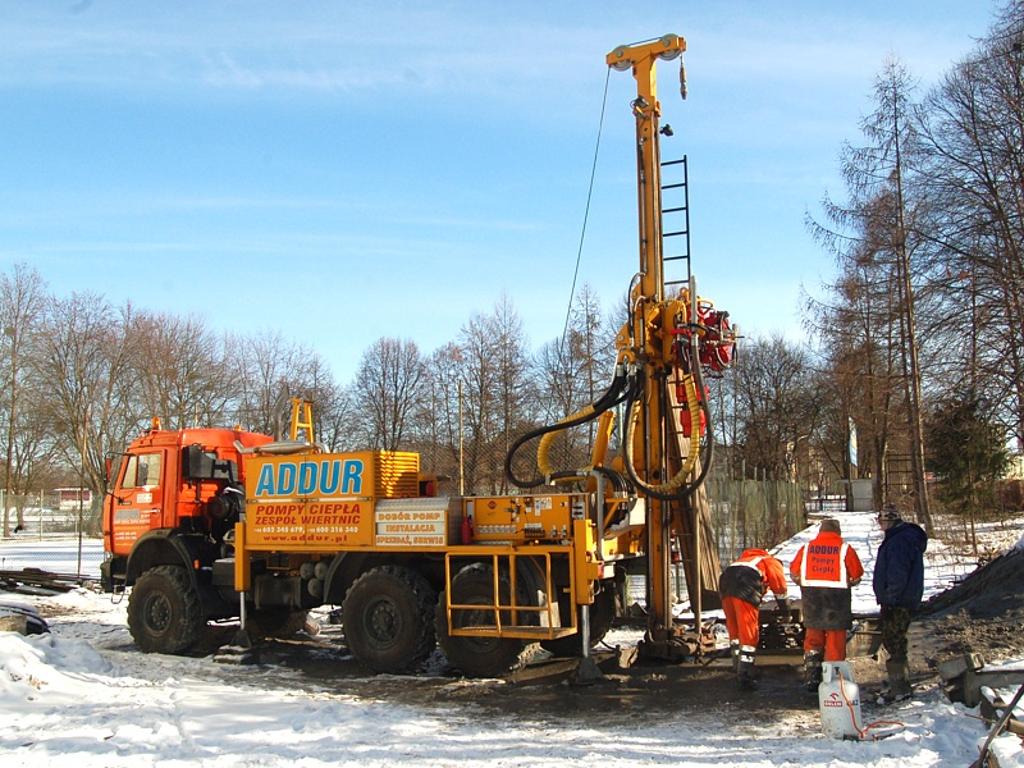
(676, 481)
(543, 465)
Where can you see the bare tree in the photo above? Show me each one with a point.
(878, 238)
(22, 297)
(859, 330)
(515, 394)
(84, 357)
(558, 385)
(334, 412)
(774, 402)
(267, 371)
(478, 373)
(388, 384)
(441, 428)
(338, 418)
(974, 141)
(492, 388)
(591, 342)
(180, 370)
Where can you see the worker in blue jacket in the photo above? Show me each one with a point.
(899, 583)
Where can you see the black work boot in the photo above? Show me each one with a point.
(734, 653)
(745, 668)
(812, 670)
(899, 687)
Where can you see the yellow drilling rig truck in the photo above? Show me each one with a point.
(215, 523)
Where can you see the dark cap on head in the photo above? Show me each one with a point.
(889, 512)
(830, 525)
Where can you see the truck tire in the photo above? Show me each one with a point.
(275, 622)
(387, 619)
(601, 614)
(164, 611)
(477, 656)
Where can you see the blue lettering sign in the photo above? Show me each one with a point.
(352, 480)
(265, 483)
(307, 478)
(285, 479)
(329, 482)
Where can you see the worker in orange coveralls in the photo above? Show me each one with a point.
(825, 568)
(742, 587)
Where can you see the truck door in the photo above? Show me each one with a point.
(138, 499)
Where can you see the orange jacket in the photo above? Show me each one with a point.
(771, 569)
(826, 561)
(748, 577)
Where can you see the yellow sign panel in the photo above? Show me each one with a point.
(309, 501)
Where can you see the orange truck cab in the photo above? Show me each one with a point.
(175, 497)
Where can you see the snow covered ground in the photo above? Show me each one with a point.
(83, 697)
(56, 552)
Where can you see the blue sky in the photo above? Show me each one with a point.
(344, 171)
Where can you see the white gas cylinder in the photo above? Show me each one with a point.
(839, 701)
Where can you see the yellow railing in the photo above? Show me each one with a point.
(507, 612)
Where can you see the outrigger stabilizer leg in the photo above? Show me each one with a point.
(241, 649)
(587, 672)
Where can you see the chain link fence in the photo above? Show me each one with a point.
(44, 513)
(43, 532)
(754, 513)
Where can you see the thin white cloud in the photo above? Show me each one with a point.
(828, 46)
(310, 46)
(529, 59)
(523, 35)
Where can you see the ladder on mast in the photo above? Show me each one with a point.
(678, 217)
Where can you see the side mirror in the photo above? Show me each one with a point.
(111, 464)
(197, 464)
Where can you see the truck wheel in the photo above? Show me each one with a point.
(275, 622)
(477, 656)
(164, 612)
(386, 617)
(602, 611)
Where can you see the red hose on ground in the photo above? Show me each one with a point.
(862, 733)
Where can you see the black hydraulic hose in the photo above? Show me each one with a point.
(611, 397)
(621, 487)
(626, 447)
(617, 480)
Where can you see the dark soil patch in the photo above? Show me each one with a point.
(982, 614)
(989, 592)
(633, 694)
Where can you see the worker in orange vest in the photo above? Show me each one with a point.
(825, 568)
(742, 587)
